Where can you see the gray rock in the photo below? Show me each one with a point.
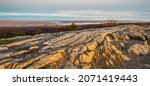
(3, 48)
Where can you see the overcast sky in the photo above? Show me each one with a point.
(75, 9)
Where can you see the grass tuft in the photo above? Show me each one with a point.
(2, 42)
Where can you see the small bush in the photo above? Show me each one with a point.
(111, 22)
(2, 42)
(73, 26)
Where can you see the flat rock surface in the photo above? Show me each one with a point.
(110, 47)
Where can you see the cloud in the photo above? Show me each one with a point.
(55, 5)
(75, 9)
(31, 14)
(83, 15)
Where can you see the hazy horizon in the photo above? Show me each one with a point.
(134, 10)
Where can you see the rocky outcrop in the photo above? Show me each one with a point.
(111, 47)
(2, 48)
(139, 49)
(135, 34)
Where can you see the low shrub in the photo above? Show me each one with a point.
(2, 42)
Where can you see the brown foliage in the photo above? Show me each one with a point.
(6, 32)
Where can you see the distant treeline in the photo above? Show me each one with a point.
(7, 32)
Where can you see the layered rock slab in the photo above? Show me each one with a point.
(111, 47)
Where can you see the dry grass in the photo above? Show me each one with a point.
(7, 32)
